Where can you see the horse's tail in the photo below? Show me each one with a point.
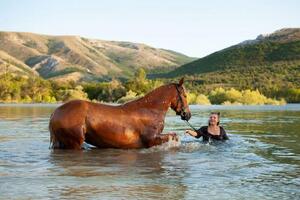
(54, 143)
(52, 137)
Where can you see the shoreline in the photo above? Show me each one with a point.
(114, 103)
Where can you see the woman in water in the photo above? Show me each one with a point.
(212, 131)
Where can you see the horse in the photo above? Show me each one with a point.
(136, 124)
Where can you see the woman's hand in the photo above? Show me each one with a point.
(191, 133)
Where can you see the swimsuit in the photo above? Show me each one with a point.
(203, 131)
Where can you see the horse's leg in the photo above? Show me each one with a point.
(159, 139)
(71, 138)
(93, 139)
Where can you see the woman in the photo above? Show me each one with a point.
(212, 131)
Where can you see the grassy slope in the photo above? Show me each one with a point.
(262, 54)
(268, 64)
(52, 55)
(13, 65)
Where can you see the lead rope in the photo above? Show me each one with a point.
(190, 125)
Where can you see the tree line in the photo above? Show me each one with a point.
(18, 89)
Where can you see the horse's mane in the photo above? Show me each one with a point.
(149, 96)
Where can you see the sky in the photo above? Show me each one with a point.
(193, 27)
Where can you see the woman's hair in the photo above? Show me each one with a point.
(215, 113)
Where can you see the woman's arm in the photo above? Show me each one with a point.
(196, 134)
(224, 135)
(191, 133)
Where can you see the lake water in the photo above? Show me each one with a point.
(260, 161)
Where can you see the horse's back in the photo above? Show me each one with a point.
(69, 114)
(77, 111)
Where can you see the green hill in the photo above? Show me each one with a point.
(281, 46)
(269, 63)
(81, 59)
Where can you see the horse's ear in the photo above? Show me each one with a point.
(181, 81)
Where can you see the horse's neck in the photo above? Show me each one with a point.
(159, 99)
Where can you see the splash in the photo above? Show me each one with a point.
(172, 144)
(193, 146)
(182, 145)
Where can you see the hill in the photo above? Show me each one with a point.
(81, 59)
(269, 63)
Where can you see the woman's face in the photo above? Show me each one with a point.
(213, 119)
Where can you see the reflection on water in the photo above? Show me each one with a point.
(116, 173)
(260, 161)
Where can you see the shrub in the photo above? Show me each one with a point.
(130, 95)
(71, 94)
(202, 100)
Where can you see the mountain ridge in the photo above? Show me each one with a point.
(279, 46)
(62, 56)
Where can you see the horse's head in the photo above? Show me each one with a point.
(179, 103)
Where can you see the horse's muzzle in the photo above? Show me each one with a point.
(186, 116)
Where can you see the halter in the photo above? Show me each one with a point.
(180, 99)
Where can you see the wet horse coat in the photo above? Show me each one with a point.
(136, 124)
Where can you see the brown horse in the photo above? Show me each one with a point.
(136, 124)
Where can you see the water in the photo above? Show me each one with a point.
(260, 161)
